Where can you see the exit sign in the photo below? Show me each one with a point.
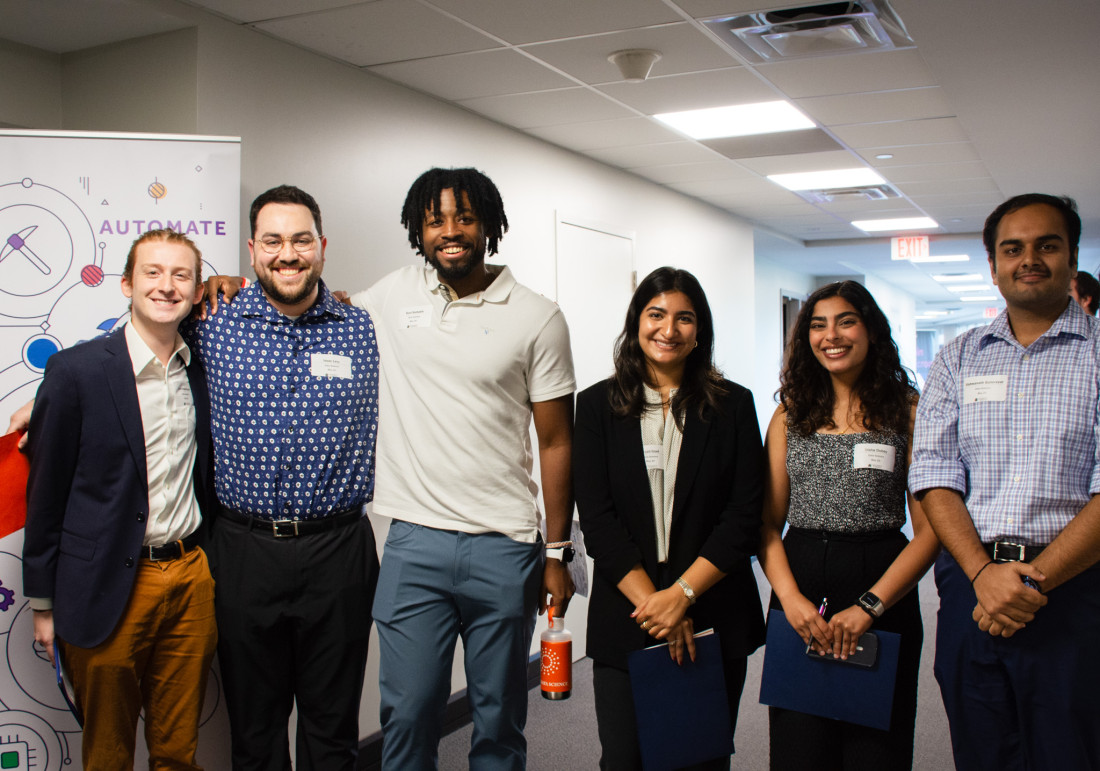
(990, 313)
(909, 248)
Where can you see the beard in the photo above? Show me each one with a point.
(460, 270)
(279, 294)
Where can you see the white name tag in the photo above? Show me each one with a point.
(652, 454)
(985, 388)
(330, 365)
(868, 455)
(417, 316)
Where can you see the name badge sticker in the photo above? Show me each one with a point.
(416, 316)
(985, 388)
(652, 454)
(876, 456)
(330, 365)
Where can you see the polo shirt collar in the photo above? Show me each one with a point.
(497, 292)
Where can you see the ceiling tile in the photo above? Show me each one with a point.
(903, 132)
(756, 190)
(260, 10)
(851, 74)
(913, 104)
(62, 27)
(955, 152)
(473, 75)
(527, 22)
(383, 31)
(767, 145)
(683, 49)
(905, 174)
(984, 185)
(789, 164)
(547, 108)
(692, 172)
(653, 154)
(692, 91)
(607, 133)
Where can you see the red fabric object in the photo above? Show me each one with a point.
(14, 466)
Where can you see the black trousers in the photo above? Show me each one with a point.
(842, 567)
(294, 618)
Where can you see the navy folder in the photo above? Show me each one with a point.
(792, 680)
(682, 712)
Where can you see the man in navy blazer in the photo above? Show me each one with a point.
(121, 472)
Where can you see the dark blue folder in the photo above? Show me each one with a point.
(682, 711)
(793, 680)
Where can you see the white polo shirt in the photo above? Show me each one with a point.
(458, 380)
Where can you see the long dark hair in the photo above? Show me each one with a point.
(701, 386)
(884, 388)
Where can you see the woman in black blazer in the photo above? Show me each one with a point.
(672, 558)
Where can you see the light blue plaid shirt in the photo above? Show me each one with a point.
(1024, 456)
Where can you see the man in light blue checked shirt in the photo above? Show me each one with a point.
(1005, 464)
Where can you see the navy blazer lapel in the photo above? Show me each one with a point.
(632, 457)
(200, 396)
(696, 435)
(119, 372)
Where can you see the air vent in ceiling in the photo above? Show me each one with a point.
(860, 193)
(813, 30)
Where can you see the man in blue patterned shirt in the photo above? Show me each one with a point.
(1005, 462)
(293, 378)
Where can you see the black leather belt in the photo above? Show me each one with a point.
(292, 528)
(1007, 551)
(170, 551)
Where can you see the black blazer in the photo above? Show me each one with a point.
(716, 514)
(88, 489)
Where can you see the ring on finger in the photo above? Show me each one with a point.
(645, 625)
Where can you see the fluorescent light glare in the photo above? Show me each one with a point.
(942, 258)
(947, 278)
(737, 120)
(979, 298)
(935, 313)
(968, 288)
(827, 180)
(902, 223)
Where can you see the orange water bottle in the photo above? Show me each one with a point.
(556, 676)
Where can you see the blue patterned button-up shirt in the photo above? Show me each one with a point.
(293, 403)
(1024, 455)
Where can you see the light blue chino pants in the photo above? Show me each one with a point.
(435, 585)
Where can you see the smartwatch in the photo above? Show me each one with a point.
(563, 554)
(872, 604)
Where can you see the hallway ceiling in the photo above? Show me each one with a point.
(990, 100)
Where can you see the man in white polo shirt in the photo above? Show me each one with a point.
(469, 357)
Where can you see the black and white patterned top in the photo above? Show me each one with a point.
(828, 493)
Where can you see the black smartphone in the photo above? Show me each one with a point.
(865, 656)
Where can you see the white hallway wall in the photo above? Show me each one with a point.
(356, 142)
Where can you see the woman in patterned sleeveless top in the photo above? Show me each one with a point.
(838, 452)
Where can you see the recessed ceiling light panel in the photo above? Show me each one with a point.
(737, 120)
(902, 223)
(825, 180)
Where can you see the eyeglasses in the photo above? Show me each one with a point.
(301, 243)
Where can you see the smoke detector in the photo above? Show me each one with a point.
(813, 30)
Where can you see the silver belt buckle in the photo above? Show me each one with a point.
(1003, 551)
(284, 528)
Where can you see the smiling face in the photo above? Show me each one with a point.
(453, 238)
(666, 333)
(289, 277)
(164, 284)
(1034, 262)
(839, 338)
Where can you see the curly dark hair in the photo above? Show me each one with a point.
(479, 190)
(702, 384)
(885, 389)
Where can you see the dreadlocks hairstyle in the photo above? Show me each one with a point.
(884, 388)
(479, 190)
(702, 382)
